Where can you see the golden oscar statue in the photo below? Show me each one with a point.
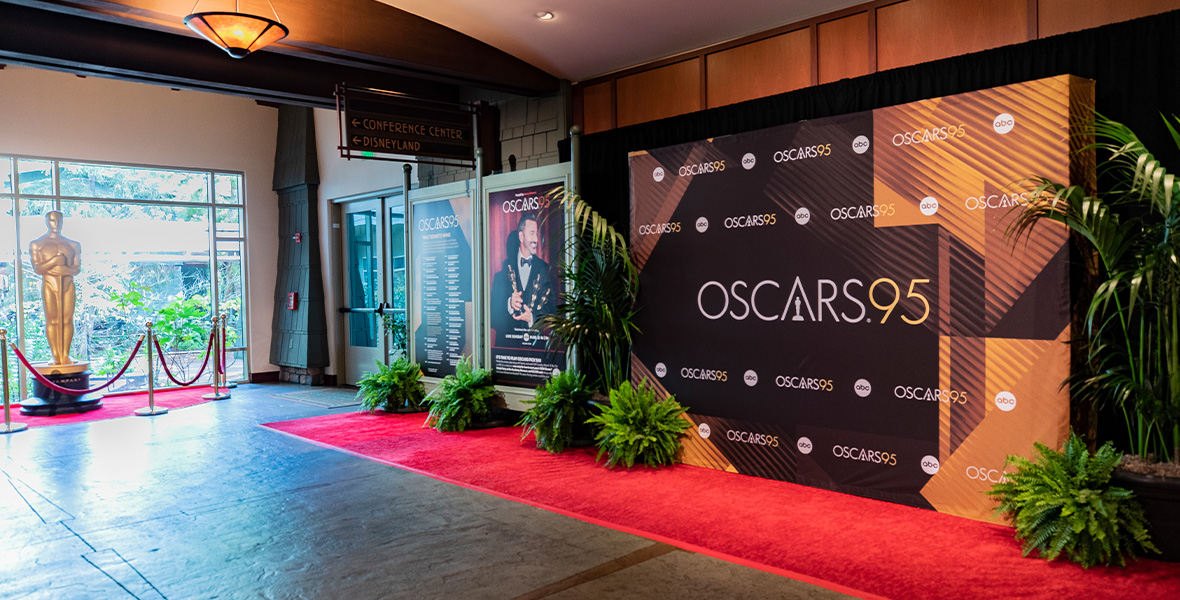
(57, 260)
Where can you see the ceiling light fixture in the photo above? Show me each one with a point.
(237, 33)
(545, 15)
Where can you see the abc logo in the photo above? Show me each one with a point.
(804, 445)
(860, 145)
(658, 174)
(928, 206)
(703, 430)
(1005, 401)
(1004, 123)
(929, 464)
(802, 216)
(748, 161)
(702, 225)
(751, 378)
(863, 388)
(661, 370)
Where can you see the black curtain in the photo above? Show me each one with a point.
(1134, 64)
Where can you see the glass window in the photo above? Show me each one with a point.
(362, 277)
(132, 183)
(227, 189)
(8, 287)
(229, 222)
(146, 256)
(35, 176)
(5, 176)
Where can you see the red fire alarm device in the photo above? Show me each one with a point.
(298, 237)
(293, 301)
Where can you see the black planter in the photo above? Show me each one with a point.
(1160, 497)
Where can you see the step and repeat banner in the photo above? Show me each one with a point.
(836, 303)
(443, 320)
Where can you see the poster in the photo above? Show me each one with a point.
(525, 235)
(836, 303)
(443, 316)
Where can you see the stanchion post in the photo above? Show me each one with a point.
(225, 382)
(151, 409)
(9, 426)
(216, 348)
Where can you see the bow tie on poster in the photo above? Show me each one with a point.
(524, 262)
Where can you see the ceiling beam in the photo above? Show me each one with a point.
(85, 46)
(364, 34)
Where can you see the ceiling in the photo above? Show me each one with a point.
(593, 37)
(426, 48)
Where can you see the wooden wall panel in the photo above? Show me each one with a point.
(659, 93)
(1063, 16)
(758, 69)
(597, 103)
(918, 31)
(843, 48)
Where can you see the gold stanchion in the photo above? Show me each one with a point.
(225, 382)
(9, 426)
(216, 395)
(151, 409)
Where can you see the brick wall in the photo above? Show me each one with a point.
(529, 131)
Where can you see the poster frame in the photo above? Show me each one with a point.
(446, 191)
(558, 175)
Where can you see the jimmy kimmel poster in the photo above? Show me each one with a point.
(525, 233)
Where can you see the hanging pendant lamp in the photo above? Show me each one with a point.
(237, 33)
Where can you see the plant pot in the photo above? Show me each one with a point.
(1160, 498)
(582, 435)
(499, 417)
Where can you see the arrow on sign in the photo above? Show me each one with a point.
(356, 141)
(356, 123)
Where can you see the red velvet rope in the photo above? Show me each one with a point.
(71, 391)
(208, 351)
(221, 365)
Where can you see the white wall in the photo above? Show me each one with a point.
(58, 115)
(340, 178)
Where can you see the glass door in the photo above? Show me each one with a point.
(364, 289)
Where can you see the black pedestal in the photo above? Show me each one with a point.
(46, 402)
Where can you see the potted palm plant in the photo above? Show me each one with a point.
(1132, 331)
(597, 310)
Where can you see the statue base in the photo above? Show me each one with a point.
(47, 403)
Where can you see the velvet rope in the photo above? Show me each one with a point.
(221, 365)
(71, 391)
(208, 351)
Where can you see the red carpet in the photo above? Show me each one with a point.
(853, 545)
(114, 407)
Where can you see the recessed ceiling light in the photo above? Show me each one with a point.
(545, 15)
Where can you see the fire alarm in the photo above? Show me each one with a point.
(293, 301)
(298, 237)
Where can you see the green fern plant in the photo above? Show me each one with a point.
(1064, 504)
(637, 428)
(396, 387)
(468, 395)
(561, 402)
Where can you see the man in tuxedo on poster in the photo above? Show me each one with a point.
(523, 289)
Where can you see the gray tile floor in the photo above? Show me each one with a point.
(203, 503)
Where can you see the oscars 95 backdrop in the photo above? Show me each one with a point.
(837, 304)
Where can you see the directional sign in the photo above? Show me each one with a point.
(378, 122)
